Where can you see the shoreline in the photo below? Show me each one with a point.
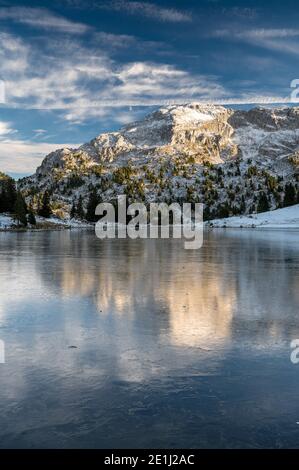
(208, 226)
(286, 218)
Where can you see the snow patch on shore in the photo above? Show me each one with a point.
(6, 221)
(72, 223)
(288, 217)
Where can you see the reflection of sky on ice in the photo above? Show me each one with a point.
(145, 316)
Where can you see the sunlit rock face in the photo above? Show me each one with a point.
(204, 131)
(196, 130)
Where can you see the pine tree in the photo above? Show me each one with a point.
(2, 196)
(77, 210)
(8, 194)
(73, 211)
(91, 206)
(80, 210)
(242, 205)
(31, 217)
(263, 203)
(11, 194)
(206, 213)
(289, 195)
(223, 211)
(45, 210)
(20, 210)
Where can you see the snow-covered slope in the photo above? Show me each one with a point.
(288, 217)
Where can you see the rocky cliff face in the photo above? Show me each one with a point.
(204, 131)
(166, 155)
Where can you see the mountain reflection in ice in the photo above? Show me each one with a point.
(242, 285)
(146, 314)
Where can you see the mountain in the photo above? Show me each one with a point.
(234, 162)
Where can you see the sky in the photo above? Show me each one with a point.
(71, 69)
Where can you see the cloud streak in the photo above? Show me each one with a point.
(147, 10)
(280, 40)
(43, 19)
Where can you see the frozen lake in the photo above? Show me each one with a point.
(141, 343)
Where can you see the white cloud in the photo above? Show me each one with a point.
(13, 55)
(42, 18)
(151, 83)
(148, 10)
(145, 84)
(254, 98)
(5, 129)
(39, 132)
(241, 12)
(281, 40)
(115, 40)
(82, 81)
(23, 156)
(20, 156)
(85, 83)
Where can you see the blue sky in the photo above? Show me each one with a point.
(74, 68)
